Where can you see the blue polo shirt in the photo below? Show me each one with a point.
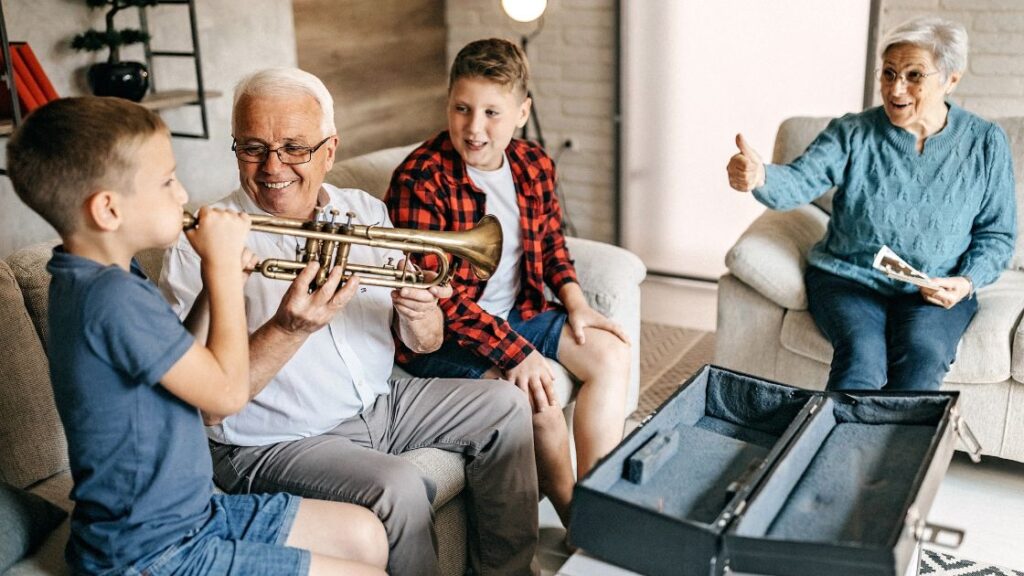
(139, 457)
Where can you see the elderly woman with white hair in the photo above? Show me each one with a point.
(919, 174)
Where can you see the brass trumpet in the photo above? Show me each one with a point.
(328, 241)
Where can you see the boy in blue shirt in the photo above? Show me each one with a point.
(130, 380)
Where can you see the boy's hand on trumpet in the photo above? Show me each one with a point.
(418, 303)
(419, 319)
(221, 237)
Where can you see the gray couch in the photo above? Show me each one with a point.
(764, 327)
(33, 453)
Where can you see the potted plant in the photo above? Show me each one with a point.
(115, 78)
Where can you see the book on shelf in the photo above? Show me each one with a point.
(36, 69)
(33, 86)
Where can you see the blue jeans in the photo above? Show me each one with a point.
(897, 342)
(244, 535)
(544, 331)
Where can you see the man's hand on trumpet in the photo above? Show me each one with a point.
(305, 312)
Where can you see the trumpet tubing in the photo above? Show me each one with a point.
(329, 243)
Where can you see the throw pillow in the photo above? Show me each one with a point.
(25, 521)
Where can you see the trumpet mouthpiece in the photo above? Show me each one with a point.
(188, 221)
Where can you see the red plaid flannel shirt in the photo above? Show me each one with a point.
(431, 190)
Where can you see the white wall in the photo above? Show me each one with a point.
(695, 74)
(235, 38)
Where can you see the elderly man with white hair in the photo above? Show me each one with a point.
(325, 420)
(918, 174)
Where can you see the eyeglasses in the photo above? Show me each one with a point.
(287, 154)
(911, 77)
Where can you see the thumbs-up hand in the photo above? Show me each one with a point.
(746, 170)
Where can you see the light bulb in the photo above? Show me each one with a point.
(524, 10)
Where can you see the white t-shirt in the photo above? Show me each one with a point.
(340, 369)
(499, 294)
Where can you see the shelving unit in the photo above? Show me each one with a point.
(154, 100)
(7, 126)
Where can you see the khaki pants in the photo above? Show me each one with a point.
(488, 421)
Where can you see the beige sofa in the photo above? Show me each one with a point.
(764, 327)
(33, 453)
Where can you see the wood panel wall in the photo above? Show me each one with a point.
(384, 62)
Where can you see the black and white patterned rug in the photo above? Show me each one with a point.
(939, 564)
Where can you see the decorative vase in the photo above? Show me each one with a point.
(128, 80)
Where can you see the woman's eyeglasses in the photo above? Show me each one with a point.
(911, 77)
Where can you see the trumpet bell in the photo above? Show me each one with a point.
(480, 245)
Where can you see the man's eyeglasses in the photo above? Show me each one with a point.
(911, 77)
(287, 154)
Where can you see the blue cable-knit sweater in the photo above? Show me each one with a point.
(948, 211)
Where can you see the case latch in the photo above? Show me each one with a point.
(927, 533)
(970, 441)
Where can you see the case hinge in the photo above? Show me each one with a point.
(970, 441)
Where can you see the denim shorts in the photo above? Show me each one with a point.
(543, 331)
(245, 534)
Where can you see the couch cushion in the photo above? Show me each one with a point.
(1014, 128)
(29, 267)
(370, 172)
(49, 558)
(25, 521)
(771, 255)
(447, 470)
(800, 335)
(32, 445)
(984, 352)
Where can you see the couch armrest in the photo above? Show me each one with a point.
(771, 254)
(610, 277)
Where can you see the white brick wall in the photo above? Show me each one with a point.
(994, 83)
(572, 61)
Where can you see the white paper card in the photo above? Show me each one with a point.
(889, 263)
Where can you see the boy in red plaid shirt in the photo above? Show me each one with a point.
(505, 327)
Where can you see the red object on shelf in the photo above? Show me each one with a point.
(36, 69)
(26, 100)
(22, 73)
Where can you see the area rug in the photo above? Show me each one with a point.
(668, 356)
(940, 564)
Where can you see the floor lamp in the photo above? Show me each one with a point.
(528, 11)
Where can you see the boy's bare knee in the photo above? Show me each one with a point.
(606, 355)
(374, 539)
(549, 423)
